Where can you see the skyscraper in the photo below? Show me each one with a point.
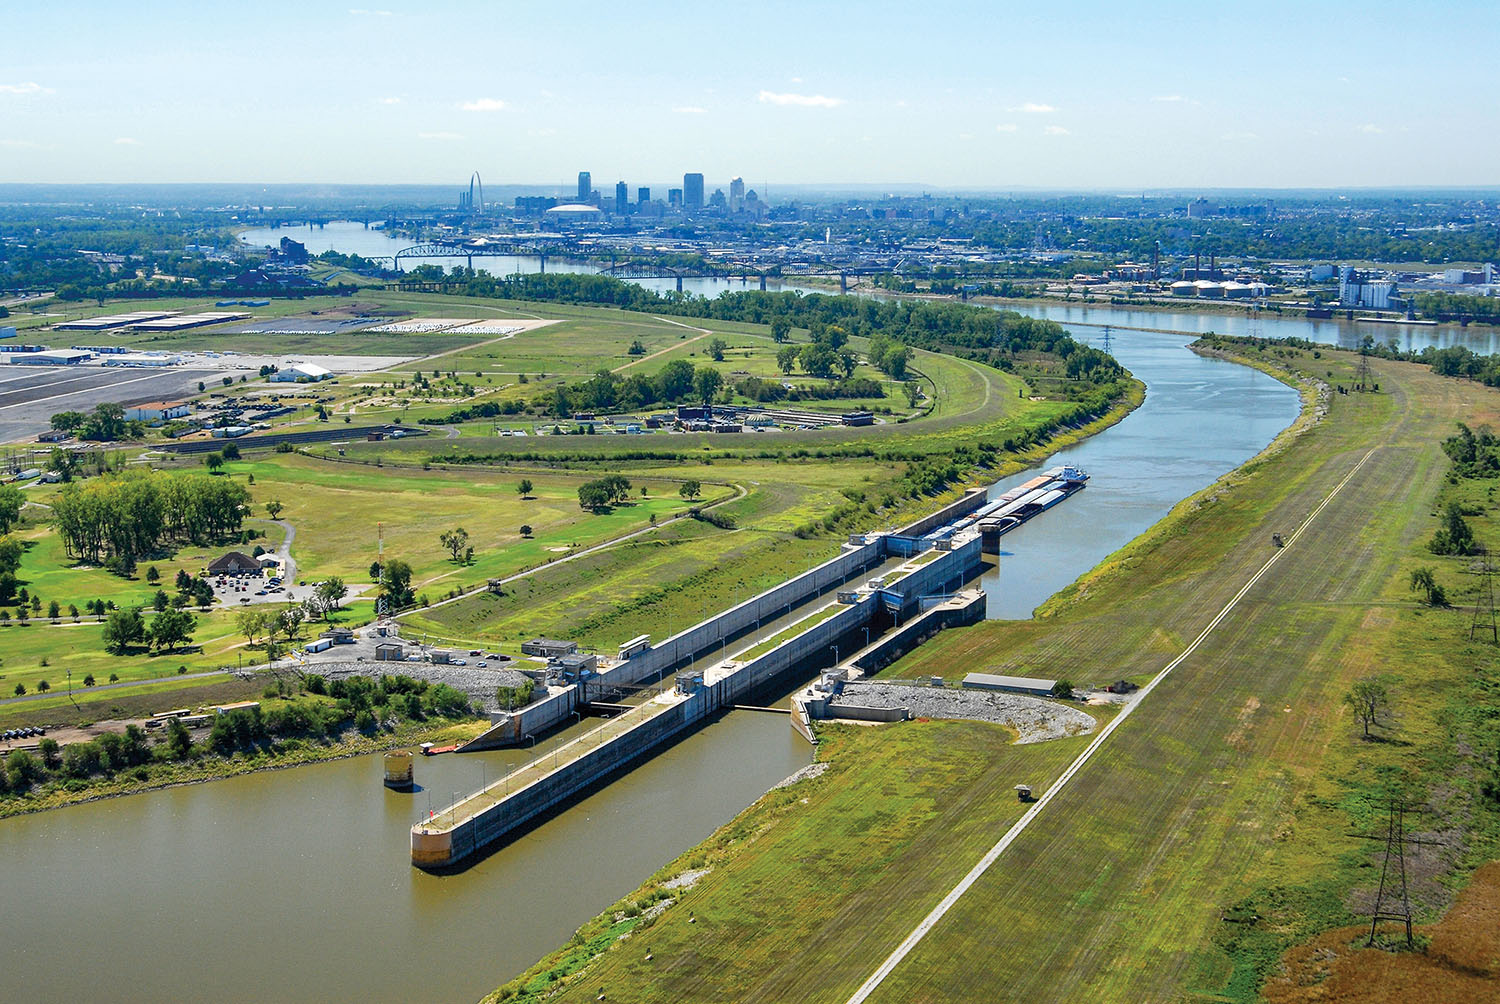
(642, 196)
(622, 198)
(585, 186)
(736, 195)
(692, 191)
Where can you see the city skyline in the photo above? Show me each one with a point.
(952, 96)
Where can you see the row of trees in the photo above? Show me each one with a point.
(677, 382)
(147, 512)
(127, 629)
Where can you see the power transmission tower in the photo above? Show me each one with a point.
(1393, 901)
(1484, 603)
(1362, 378)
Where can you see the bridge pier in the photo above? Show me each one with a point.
(543, 259)
(469, 260)
(762, 284)
(843, 282)
(679, 284)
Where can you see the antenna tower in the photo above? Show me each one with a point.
(1484, 603)
(380, 564)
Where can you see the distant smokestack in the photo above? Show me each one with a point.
(1213, 268)
(1197, 264)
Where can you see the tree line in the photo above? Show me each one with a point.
(142, 513)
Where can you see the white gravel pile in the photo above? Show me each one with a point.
(478, 684)
(1036, 720)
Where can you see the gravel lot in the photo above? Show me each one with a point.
(1036, 720)
(479, 684)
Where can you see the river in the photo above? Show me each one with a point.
(296, 885)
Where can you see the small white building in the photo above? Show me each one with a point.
(301, 373)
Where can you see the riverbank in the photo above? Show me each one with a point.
(1213, 833)
(296, 752)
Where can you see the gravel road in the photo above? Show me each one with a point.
(1036, 720)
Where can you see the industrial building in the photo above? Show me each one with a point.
(1356, 289)
(106, 321)
(1010, 684)
(301, 373)
(184, 321)
(49, 357)
(156, 411)
(548, 648)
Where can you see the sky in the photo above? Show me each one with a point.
(966, 95)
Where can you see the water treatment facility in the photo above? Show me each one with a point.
(888, 590)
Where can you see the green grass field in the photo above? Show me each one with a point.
(1212, 830)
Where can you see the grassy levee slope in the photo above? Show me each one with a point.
(1223, 781)
(1236, 782)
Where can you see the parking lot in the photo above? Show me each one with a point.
(31, 395)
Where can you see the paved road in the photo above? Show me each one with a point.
(993, 854)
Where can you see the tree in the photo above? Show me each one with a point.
(691, 488)
(454, 540)
(213, 462)
(1423, 580)
(160, 601)
(593, 496)
(817, 359)
(674, 381)
(20, 690)
(172, 628)
(42, 686)
(88, 679)
(123, 629)
(331, 592)
(786, 358)
(231, 451)
(781, 329)
(1063, 689)
(184, 581)
(179, 743)
(525, 530)
(716, 347)
(397, 585)
(251, 624)
(524, 488)
(152, 575)
(913, 392)
(1367, 699)
(11, 501)
(847, 363)
(54, 610)
(273, 509)
(1455, 536)
(375, 571)
(706, 383)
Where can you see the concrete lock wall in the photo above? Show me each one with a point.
(953, 567)
(902, 640)
(973, 499)
(513, 728)
(687, 644)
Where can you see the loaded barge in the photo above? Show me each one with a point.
(999, 516)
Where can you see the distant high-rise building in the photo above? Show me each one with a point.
(622, 198)
(692, 191)
(736, 195)
(585, 186)
(674, 196)
(642, 196)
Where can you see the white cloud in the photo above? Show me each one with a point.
(484, 105)
(1055, 130)
(439, 135)
(20, 144)
(389, 101)
(796, 80)
(690, 110)
(365, 12)
(799, 100)
(28, 87)
(1371, 129)
(1032, 108)
(127, 141)
(1006, 127)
